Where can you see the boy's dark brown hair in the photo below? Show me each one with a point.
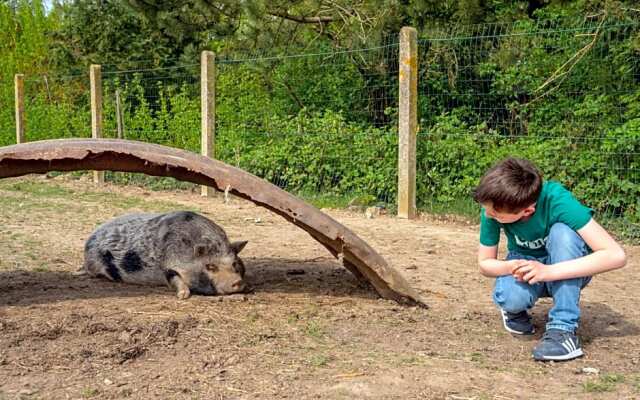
(511, 185)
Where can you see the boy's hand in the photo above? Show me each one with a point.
(531, 271)
(515, 266)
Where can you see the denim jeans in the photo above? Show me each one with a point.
(512, 296)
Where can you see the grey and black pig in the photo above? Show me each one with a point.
(184, 250)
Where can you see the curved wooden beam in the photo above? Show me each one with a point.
(151, 159)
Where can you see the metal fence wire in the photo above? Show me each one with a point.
(160, 105)
(57, 107)
(321, 125)
(564, 94)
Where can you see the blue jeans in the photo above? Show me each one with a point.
(512, 296)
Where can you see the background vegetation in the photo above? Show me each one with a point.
(307, 89)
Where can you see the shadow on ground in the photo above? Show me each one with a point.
(264, 275)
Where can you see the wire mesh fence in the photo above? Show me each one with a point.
(159, 105)
(561, 93)
(320, 125)
(7, 113)
(57, 107)
(153, 105)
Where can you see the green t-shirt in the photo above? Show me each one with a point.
(555, 204)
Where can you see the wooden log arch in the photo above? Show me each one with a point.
(151, 159)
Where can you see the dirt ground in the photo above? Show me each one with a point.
(307, 331)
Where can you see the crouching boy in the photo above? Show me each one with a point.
(554, 248)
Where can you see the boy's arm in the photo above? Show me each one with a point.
(607, 255)
(489, 264)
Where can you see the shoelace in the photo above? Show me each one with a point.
(556, 336)
(520, 317)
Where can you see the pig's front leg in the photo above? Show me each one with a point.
(175, 281)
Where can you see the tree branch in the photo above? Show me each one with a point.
(301, 19)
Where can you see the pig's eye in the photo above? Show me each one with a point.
(212, 267)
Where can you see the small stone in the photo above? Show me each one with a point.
(125, 337)
(590, 370)
(108, 381)
(372, 212)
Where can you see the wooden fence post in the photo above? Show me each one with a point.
(407, 122)
(19, 93)
(208, 109)
(95, 77)
(119, 118)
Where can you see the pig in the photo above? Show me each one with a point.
(182, 249)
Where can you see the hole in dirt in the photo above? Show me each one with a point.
(322, 277)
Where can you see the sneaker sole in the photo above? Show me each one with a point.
(504, 323)
(570, 356)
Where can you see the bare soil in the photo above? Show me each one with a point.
(307, 331)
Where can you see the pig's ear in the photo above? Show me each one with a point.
(200, 249)
(238, 246)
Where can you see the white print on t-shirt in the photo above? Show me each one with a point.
(531, 244)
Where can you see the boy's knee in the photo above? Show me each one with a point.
(512, 297)
(562, 233)
(564, 243)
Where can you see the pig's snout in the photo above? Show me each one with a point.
(231, 286)
(238, 286)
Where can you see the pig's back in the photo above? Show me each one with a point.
(127, 249)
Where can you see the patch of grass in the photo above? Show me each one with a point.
(465, 207)
(319, 360)
(88, 393)
(606, 383)
(155, 183)
(29, 205)
(42, 268)
(625, 229)
(478, 357)
(322, 200)
(11, 203)
(125, 202)
(411, 360)
(314, 330)
(38, 189)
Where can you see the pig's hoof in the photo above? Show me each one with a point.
(183, 294)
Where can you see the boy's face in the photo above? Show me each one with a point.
(505, 217)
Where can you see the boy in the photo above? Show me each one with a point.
(554, 247)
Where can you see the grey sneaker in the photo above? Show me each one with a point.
(518, 323)
(558, 345)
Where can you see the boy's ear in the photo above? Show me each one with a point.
(530, 210)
